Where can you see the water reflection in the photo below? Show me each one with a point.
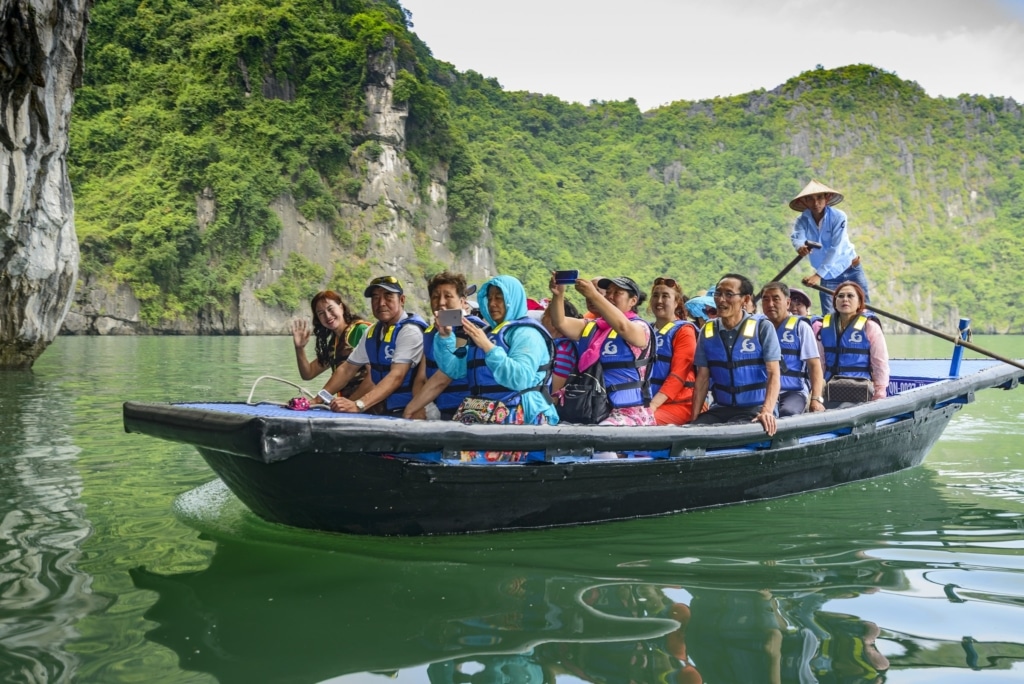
(844, 586)
(482, 625)
(43, 594)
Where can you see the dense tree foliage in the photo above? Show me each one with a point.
(695, 189)
(239, 101)
(243, 100)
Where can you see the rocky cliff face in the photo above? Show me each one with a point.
(41, 49)
(391, 229)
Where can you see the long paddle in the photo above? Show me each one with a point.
(789, 267)
(938, 333)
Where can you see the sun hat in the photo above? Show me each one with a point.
(800, 296)
(697, 306)
(389, 283)
(623, 282)
(815, 188)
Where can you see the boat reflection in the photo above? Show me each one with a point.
(271, 614)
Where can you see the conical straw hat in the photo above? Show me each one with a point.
(815, 188)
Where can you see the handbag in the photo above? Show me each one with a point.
(845, 389)
(584, 400)
(479, 410)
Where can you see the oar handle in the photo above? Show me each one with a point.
(789, 267)
(938, 333)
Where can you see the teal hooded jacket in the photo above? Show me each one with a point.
(515, 369)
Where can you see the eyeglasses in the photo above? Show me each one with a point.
(668, 282)
(846, 295)
(384, 279)
(721, 294)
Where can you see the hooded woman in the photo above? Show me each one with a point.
(509, 361)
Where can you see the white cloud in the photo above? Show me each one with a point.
(658, 51)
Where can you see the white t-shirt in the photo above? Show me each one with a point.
(408, 346)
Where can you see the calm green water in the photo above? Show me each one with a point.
(107, 574)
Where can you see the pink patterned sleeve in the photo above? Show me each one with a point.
(879, 359)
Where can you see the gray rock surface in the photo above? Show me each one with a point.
(405, 235)
(41, 49)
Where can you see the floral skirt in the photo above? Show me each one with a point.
(639, 416)
(516, 417)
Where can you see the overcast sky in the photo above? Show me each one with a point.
(659, 51)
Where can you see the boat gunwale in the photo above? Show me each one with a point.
(271, 439)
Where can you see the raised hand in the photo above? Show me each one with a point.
(301, 331)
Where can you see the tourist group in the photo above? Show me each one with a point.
(728, 355)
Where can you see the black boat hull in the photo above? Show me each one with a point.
(395, 477)
(365, 494)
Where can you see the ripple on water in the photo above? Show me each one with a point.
(973, 428)
(212, 508)
(1006, 485)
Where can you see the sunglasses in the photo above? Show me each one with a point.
(668, 282)
(392, 280)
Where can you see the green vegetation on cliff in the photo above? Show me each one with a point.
(238, 102)
(934, 187)
(241, 101)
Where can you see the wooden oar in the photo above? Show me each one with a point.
(938, 333)
(789, 267)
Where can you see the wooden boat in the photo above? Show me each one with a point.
(388, 476)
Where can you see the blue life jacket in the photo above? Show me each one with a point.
(794, 373)
(738, 374)
(480, 378)
(849, 354)
(666, 337)
(457, 390)
(380, 349)
(621, 377)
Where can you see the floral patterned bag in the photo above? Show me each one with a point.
(477, 410)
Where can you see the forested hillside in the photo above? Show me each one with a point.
(247, 100)
(196, 114)
(934, 188)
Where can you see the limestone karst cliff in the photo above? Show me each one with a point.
(386, 223)
(41, 50)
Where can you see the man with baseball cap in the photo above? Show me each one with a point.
(392, 347)
(837, 261)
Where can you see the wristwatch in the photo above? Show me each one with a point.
(820, 400)
(360, 405)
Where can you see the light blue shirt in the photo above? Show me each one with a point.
(837, 252)
(515, 369)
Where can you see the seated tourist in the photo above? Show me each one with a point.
(701, 309)
(801, 378)
(566, 353)
(337, 331)
(852, 343)
(618, 338)
(447, 291)
(738, 355)
(392, 347)
(508, 361)
(672, 375)
(800, 305)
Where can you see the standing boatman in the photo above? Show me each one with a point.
(837, 261)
